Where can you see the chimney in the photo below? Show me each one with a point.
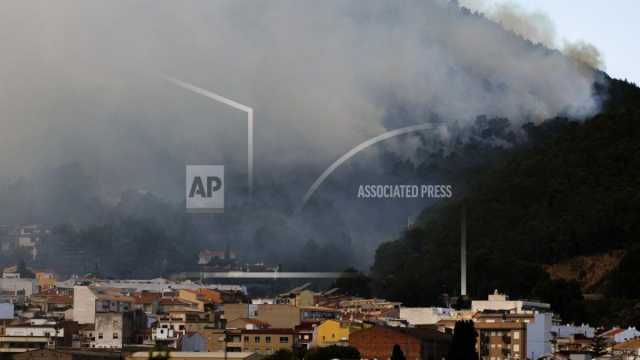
(463, 250)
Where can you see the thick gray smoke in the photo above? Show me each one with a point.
(82, 81)
(536, 27)
(79, 80)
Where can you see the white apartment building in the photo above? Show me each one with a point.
(88, 301)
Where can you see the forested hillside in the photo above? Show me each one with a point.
(573, 189)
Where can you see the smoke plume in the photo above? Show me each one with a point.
(536, 27)
(82, 82)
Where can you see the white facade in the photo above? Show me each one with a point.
(539, 336)
(29, 286)
(84, 305)
(425, 315)
(87, 302)
(570, 330)
(6, 311)
(501, 302)
(107, 333)
(46, 331)
(627, 334)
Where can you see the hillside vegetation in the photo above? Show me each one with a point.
(572, 190)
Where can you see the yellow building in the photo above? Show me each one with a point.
(192, 296)
(332, 332)
(45, 280)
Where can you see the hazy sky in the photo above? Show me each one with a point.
(612, 26)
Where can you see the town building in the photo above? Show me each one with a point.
(276, 315)
(501, 302)
(415, 316)
(113, 330)
(627, 350)
(619, 335)
(368, 309)
(416, 343)
(178, 355)
(333, 332)
(89, 301)
(267, 341)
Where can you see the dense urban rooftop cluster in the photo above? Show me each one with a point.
(41, 317)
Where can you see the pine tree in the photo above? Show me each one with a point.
(463, 345)
(397, 353)
(598, 346)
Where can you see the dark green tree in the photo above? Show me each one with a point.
(463, 344)
(598, 346)
(282, 354)
(397, 353)
(333, 352)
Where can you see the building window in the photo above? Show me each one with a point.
(516, 334)
(284, 340)
(267, 339)
(115, 336)
(246, 339)
(256, 339)
(100, 336)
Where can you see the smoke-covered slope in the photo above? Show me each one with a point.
(573, 190)
(82, 84)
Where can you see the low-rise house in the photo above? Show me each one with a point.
(89, 301)
(572, 343)
(177, 355)
(569, 330)
(219, 339)
(333, 332)
(267, 341)
(52, 303)
(19, 286)
(174, 304)
(277, 315)
(369, 309)
(299, 296)
(618, 335)
(416, 343)
(46, 280)
(247, 324)
(35, 334)
(192, 296)
(147, 301)
(304, 334)
(113, 330)
(627, 350)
